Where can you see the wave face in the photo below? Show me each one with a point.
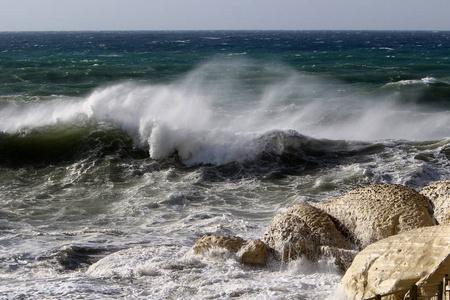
(143, 141)
(211, 117)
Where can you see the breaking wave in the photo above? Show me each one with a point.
(217, 114)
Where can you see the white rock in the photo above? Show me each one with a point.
(254, 253)
(439, 194)
(305, 230)
(419, 256)
(377, 211)
(208, 241)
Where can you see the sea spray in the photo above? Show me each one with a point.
(160, 117)
(19, 116)
(204, 121)
(212, 117)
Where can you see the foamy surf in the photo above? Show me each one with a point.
(204, 276)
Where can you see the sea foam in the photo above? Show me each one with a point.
(218, 112)
(215, 116)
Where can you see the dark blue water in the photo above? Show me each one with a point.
(67, 60)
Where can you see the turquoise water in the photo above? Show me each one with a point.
(74, 63)
(142, 141)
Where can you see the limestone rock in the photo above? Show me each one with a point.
(206, 242)
(377, 211)
(439, 195)
(254, 253)
(342, 257)
(303, 230)
(420, 256)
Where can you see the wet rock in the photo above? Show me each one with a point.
(420, 256)
(377, 211)
(76, 257)
(206, 242)
(439, 195)
(304, 230)
(254, 253)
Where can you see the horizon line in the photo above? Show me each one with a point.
(229, 30)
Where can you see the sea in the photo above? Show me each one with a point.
(118, 149)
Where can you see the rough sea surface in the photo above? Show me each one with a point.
(119, 149)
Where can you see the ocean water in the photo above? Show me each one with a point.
(119, 149)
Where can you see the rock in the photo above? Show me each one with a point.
(377, 211)
(254, 253)
(206, 242)
(342, 257)
(439, 195)
(303, 230)
(77, 257)
(420, 256)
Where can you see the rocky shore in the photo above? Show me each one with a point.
(384, 236)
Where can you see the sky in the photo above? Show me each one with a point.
(61, 15)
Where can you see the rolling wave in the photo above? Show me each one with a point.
(213, 116)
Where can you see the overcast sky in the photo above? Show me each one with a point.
(18, 15)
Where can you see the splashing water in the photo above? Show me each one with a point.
(214, 116)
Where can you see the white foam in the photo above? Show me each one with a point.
(163, 272)
(214, 116)
(423, 81)
(19, 116)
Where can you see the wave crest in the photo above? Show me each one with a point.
(236, 112)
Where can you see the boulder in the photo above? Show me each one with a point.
(439, 195)
(420, 256)
(254, 253)
(208, 241)
(304, 230)
(377, 211)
